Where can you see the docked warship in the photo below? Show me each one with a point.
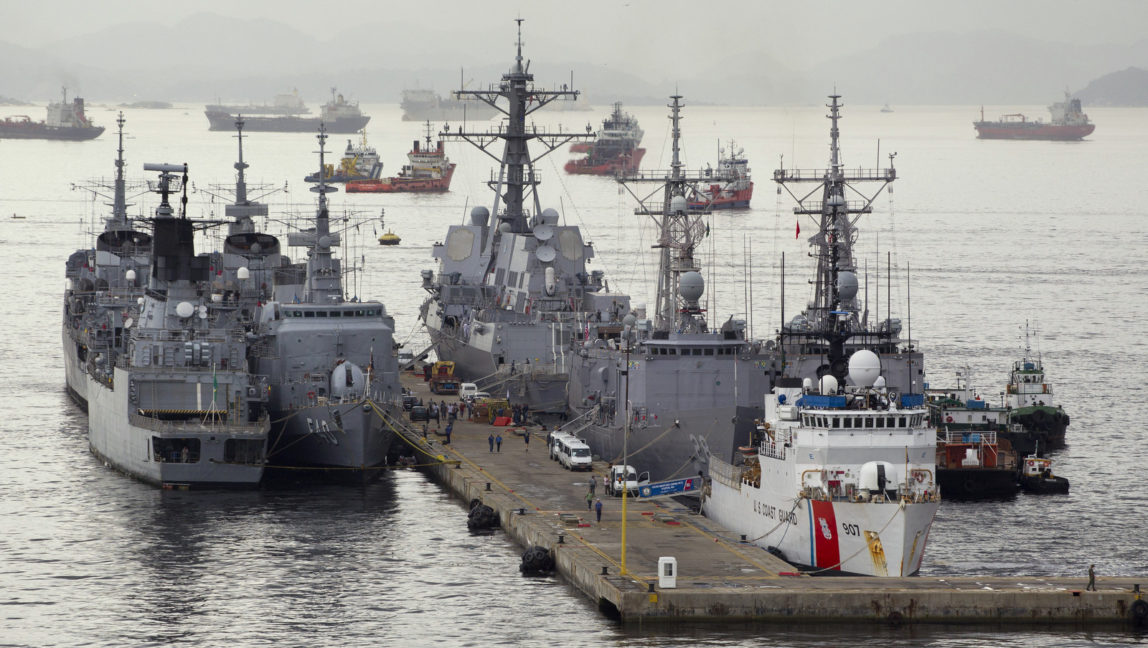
(509, 298)
(175, 406)
(684, 381)
(330, 361)
(836, 322)
(103, 284)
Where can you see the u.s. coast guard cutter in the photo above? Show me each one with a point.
(177, 407)
(692, 390)
(510, 297)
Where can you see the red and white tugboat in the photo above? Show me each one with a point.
(842, 480)
(729, 187)
(615, 148)
(429, 171)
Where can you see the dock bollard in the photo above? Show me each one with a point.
(561, 538)
(651, 589)
(488, 488)
(742, 535)
(605, 570)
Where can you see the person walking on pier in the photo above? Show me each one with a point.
(526, 437)
(498, 442)
(598, 509)
(490, 441)
(589, 501)
(1091, 578)
(449, 427)
(593, 483)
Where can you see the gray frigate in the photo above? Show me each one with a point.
(837, 321)
(176, 406)
(103, 284)
(510, 297)
(683, 380)
(330, 360)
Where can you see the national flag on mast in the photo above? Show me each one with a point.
(798, 235)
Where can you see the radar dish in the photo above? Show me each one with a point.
(545, 253)
(544, 232)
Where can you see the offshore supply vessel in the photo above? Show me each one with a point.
(614, 149)
(428, 170)
(728, 187)
(66, 121)
(1068, 123)
(509, 296)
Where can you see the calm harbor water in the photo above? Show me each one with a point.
(990, 234)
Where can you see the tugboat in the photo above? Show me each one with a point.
(973, 465)
(730, 187)
(615, 147)
(429, 171)
(333, 377)
(1068, 123)
(1033, 418)
(676, 418)
(509, 297)
(178, 407)
(338, 116)
(65, 122)
(359, 163)
(820, 339)
(842, 481)
(1036, 477)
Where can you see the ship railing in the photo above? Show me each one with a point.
(725, 473)
(198, 426)
(821, 175)
(982, 437)
(818, 207)
(580, 422)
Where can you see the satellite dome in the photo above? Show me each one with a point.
(504, 228)
(324, 241)
(629, 319)
(807, 385)
(184, 309)
(864, 368)
(691, 286)
(550, 216)
(678, 204)
(847, 285)
(479, 216)
(243, 273)
(879, 383)
(130, 275)
(828, 385)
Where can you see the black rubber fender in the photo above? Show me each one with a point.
(1139, 612)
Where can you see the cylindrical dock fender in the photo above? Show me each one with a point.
(1139, 612)
(536, 560)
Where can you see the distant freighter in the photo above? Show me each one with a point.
(338, 116)
(1068, 123)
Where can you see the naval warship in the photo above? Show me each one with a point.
(683, 380)
(510, 297)
(103, 284)
(837, 322)
(330, 361)
(177, 407)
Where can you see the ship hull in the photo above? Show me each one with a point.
(738, 199)
(625, 163)
(1036, 427)
(476, 112)
(129, 443)
(75, 377)
(994, 130)
(403, 185)
(41, 131)
(977, 483)
(346, 441)
(829, 537)
(226, 122)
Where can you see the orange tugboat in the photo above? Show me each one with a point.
(429, 171)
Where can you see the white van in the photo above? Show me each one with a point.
(615, 484)
(466, 391)
(555, 441)
(575, 455)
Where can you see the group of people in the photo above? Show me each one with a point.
(451, 412)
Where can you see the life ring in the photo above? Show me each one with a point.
(311, 395)
(920, 477)
(948, 419)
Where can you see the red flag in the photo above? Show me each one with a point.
(798, 235)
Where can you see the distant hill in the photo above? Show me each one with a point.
(1127, 87)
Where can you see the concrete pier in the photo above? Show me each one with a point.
(720, 578)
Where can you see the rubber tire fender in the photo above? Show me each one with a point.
(1140, 611)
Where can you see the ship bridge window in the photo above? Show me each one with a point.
(308, 314)
(697, 352)
(175, 450)
(243, 451)
(836, 421)
(320, 313)
(880, 421)
(709, 352)
(848, 423)
(902, 421)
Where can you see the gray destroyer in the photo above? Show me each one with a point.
(330, 361)
(103, 285)
(837, 321)
(175, 405)
(510, 297)
(683, 381)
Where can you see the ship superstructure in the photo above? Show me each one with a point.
(837, 321)
(358, 163)
(329, 360)
(843, 480)
(687, 390)
(615, 148)
(509, 296)
(66, 121)
(103, 284)
(179, 408)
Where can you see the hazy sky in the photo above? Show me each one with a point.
(602, 31)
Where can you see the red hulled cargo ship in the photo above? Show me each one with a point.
(429, 171)
(66, 121)
(1068, 123)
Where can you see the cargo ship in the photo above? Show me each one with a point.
(337, 115)
(615, 147)
(429, 171)
(730, 186)
(66, 121)
(284, 104)
(1068, 123)
(421, 105)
